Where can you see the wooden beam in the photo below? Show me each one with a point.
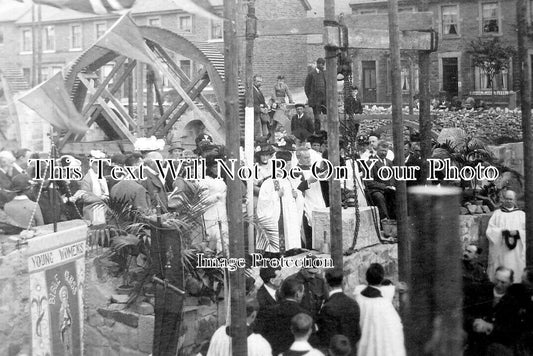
(186, 80)
(140, 99)
(93, 113)
(379, 39)
(185, 106)
(412, 21)
(149, 97)
(120, 61)
(110, 147)
(176, 103)
(115, 120)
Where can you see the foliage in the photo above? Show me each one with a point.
(491, 56)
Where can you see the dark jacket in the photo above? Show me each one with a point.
(315, 88)
(302, 127)
(353, 106)
(276, 326)
(339, 315)
(315, 293)
(259, 99)
(156, 190)
(377, 184)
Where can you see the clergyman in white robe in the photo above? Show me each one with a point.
(381, 326)
(508, 218)
(269, 205)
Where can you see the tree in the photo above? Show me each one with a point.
(492, 57)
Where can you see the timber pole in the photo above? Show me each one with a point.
(335, 208)
(424, 119)
(525, 99)
(39, 45)
(251, 34)
(435, 325)
(233, 201)
(404, 253)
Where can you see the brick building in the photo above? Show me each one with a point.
(458, 23)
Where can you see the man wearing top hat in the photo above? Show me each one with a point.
(301, 124)
(175, 151)
(21, 208)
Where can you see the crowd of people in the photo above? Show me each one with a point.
(309, 314)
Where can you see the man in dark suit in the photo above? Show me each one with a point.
(276, 327)
(131, 190)
(260, 107)
(382, 192)
(302, 126)
(267, 294)
(492, 316)
(339, 315)
(412, 160)
(315, 89)
(154, 183)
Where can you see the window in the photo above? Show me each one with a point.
(368, 12)
(105, 70)
(490, 18)
(101, 28)
(26, 73)
(1, 35)
(49, 39)
(48, 72)
(185, 24)
(216, 30)
(406, 9)
(154, 21)
(185, 66)
(501, 80)
(26, 40)
(75, 37)
(450, 19)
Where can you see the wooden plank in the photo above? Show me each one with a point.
(379, 39)
(120, 61)
(185, 106)
(176, 103)
(186, 81)
(411, 21)
(115, 120)
(413, 117)
(110, 147)
(140, 99)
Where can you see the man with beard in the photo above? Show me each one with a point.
(506, 233)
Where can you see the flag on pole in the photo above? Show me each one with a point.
(52, 103)
(107, 6)
(125, 38)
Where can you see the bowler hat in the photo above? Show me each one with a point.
(299, 105)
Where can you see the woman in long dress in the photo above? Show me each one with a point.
(215, 217)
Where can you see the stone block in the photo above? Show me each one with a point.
(125, 336)
(206, 328)
(367, 236)
(93, 337)
(116, 306)
(123, 317)
(189, 327)
(119, 298)
(124, 351)
(95, 319)
(145, 333)
(143, 308)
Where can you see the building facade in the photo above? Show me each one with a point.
(453, 74)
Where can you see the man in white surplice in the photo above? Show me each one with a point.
(506, 233)
(95, 192)
(311, 191)
(280, 205)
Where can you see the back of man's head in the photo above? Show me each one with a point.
(301, 325)
(375, 274)
(339, 345)
(267, 273)
(334, 277)
(290, 288)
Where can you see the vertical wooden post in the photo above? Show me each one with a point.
(525, 99)
(424, 118)
(149, 98)
(404, 248)
(39, 45)
(140, 98)
(411, 85)
(33, 47)
(251, 34)
(335, 208)
(130, 93)
(233, 201)
(435, 325)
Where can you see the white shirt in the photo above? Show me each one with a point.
(220, 344)
(305, 346)
(271, 291)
